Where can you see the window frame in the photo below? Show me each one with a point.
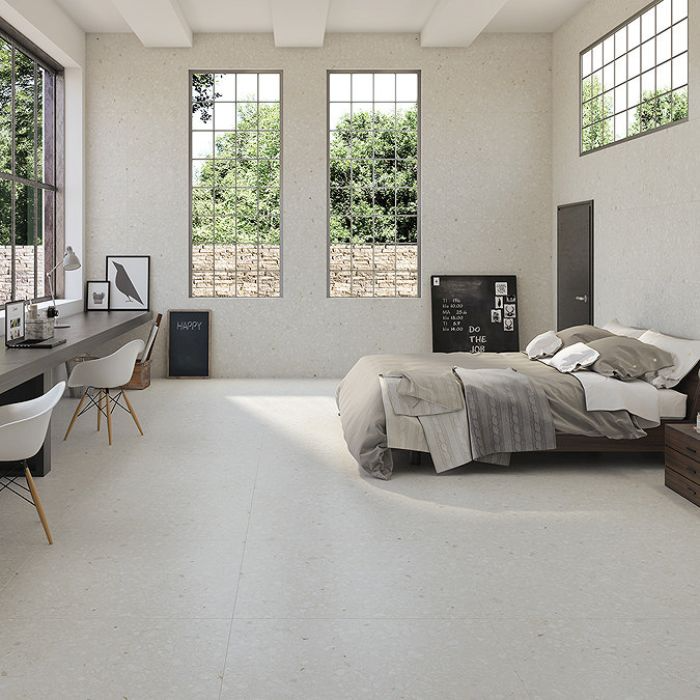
(600, 41)
(54, 235)
(190, 130)
(419, 117)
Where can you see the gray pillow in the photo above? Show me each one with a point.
(628, 358)
(581, 334)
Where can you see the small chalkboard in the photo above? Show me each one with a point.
(188, 343)
(474, 313)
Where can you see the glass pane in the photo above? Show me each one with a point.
(663, 15)
(620, 42)
(648, 24)
(634, 62)
(339, 87)
(680, 9)
(406, 87)
(609, 77)
(25, 222)
(648, 84)
(339, 115)
(202, 99)
(225, 87)
(620, 126)
(609, 49)
(24, 115)
(597, 57)
(45, 234)
(586, 64)
(246, 115)
(620, 98)
(224, 116)
(202, 270)
(247, 87)
(5, 108)
(384, 87)
(633, 92)
(648, 55)
(680, 71)
(269, 87)
(663, 77)
(620, 70)
(362, 87)
(269, 116)
(679, 101)
(202, 216)
(663, 46)
(634, 33)
(680, 37)
(202, 144)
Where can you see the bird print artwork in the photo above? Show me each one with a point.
(123, 283)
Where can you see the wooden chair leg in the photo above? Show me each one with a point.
(37, 503)
(99, 410)
(75, 415)
(109, 416)
(132, 412)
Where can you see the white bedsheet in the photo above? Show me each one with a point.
(672, 404)
(637, 397)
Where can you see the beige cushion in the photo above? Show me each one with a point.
(628, 358)
(581, 334)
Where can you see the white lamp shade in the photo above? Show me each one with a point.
(70, 260)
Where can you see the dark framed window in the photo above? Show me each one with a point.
(236, 160)
(28, 190)
(635, 79)
(373, 183)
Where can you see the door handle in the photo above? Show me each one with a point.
(584, 298)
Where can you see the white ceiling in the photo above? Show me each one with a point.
(304, 22)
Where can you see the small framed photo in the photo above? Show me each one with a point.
(510, 311)
(499, 302)
(130, 282)
(508, 324)
(501, 289)
(97, 295)
(496, 315)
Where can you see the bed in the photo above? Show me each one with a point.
(363, 416)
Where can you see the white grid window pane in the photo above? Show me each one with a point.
(373, 209)
(235, 184)
(635, 79)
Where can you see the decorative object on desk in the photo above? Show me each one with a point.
(69, 262)
(97, 295)
(474, 313)
(129, 276)
(188, 343)
(141, 377)
(16, 329)
(39, 325)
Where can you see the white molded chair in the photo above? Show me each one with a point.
(23, 429)
(102, 376)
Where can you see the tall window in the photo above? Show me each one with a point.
(635, 79)
(373, 218)
(27, 171)
(235, 189)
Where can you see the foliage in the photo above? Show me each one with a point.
(597, 128)
(25, 91)
(373, 178)
(236, 198)
(659, 108)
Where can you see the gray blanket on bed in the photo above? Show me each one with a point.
(506, 412)
(359, 399)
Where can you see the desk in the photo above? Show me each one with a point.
(25, 374)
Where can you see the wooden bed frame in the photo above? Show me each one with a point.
(653, 442)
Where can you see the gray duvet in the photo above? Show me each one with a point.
(359, 399)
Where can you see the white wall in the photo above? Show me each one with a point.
(646, 191)
(486, 177)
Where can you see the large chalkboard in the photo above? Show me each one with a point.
(188, 343)
(474, 313)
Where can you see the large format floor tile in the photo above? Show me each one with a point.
(237, 551)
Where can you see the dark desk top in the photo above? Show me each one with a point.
(87, 331)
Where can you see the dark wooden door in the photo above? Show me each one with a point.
(574, 264)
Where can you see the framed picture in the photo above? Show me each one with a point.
(97, 295)
(130, 281)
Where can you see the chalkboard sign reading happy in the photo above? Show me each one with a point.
(474, 313)
(188, 343)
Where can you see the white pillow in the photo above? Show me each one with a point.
(543, 345)
(617, 328)
(572, 358)
(686, 354)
